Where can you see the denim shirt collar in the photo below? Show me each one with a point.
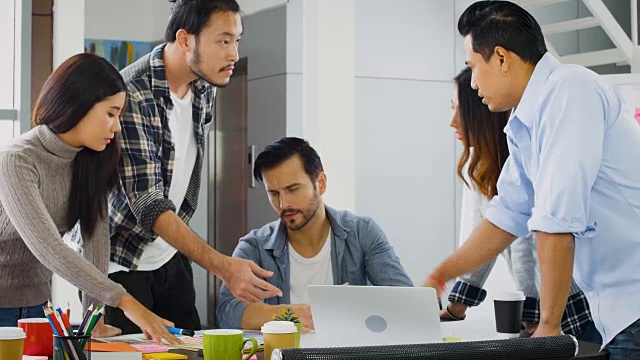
(278, 240)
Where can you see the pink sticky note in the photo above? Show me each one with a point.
(254, 357)
(150, 348)
(638, 115)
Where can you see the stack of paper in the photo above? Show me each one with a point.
(114, 351)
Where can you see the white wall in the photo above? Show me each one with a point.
(328, 94)
(68, 29)
(137, 20)
(404, 146)
(7, 41)
(252, 6)
(68, 39)
(132, 20)
(159, 19)
(7, 69)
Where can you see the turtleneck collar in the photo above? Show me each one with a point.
(55, 145)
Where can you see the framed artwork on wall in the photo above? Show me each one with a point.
(119, 52)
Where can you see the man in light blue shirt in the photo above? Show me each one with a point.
(573, 175)
(311, 244)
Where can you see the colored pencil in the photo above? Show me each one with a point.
(94, 322)
(61, 325)
(85, 319)
(59, 319)
(48, 314)
(91, 324)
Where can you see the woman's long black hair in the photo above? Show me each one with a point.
(66, 97)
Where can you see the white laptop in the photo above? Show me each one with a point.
(374, 315)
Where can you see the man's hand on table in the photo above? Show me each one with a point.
(547, 330)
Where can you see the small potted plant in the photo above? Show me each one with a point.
(288, 314)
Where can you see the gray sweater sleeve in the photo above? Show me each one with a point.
(23, 204)
(524, 266)
(479, 276)
(521, 260)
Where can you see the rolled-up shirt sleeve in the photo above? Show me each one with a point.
(569, 145)
(511, 208)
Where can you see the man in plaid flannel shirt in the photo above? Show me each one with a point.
(170, 108)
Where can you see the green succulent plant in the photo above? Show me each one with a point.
(287, 315)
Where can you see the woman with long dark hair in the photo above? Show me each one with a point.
(484, 154)
(59, 175)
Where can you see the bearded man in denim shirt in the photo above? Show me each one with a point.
(311, 244)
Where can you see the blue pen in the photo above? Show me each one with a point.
(176, 331)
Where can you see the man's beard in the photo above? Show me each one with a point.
(195, 67)
(307, 214)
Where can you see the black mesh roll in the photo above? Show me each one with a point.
(553, 347)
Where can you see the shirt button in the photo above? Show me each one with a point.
(590, 294)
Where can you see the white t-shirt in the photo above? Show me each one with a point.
(309, 271)
(159, 252)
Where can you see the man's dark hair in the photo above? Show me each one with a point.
(502, 23)
(284, 149)
(193, 15)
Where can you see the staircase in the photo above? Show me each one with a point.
(625, 51)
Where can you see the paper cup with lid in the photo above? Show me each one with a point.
(278, 335)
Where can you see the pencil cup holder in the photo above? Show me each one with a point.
(72, 348)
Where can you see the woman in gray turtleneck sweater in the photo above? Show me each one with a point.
(58, 175)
